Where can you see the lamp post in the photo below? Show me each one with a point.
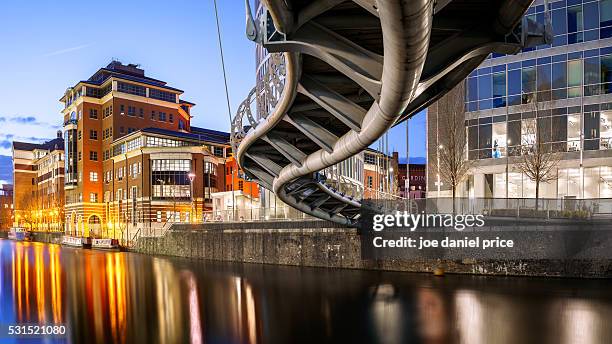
(162, 183)
(438, 182)
(191, 176)
(508, 142)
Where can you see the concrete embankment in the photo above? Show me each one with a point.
(48, 237)
(324, 244)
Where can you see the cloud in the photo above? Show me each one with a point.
(24, 120)
(67, 50)
(6, 144)
(27, 120)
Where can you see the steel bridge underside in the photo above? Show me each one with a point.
(353, 70)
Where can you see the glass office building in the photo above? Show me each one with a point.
(564, 90)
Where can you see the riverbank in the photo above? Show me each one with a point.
(324, 244)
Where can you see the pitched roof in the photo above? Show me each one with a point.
(55, 144)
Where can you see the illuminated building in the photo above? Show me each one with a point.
(562, 90)
(6, 206)
(38, 177)
(133, 160)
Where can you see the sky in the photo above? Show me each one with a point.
(47, 46)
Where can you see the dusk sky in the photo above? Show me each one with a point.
(48, 46)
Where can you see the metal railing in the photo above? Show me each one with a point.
(282, 213)
(506, 207)
(261, 100)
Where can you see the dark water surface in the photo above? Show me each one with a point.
(104, 297)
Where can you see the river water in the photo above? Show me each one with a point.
(104, 297)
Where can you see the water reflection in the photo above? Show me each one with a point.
(105, 297)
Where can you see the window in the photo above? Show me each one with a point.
(209, 168)
(93, 114)
(499, 139)
(605, 18)
(162, 95)
(93, 176)
(135, 170)
(80, 135)
(93, 134)
(574, 78)
(485, 91)
(80, 156)
(606, 74)
(240, 185)
(134, 144)
(162, 116)
(153, 115)
(170, 178)
(141, 113)
(181, 125)
(218, 151)
(162, 142)
(122, 109)
(93, 197)
(132, 111)
(544, 82)
(131, 89)
(93, 156)
(171, 118)
(369, 159)
(574, 24)
(559, 80)
(528, 81)
(499, 89)
(591, 130)
(485, 140)
(370, 182)
(121, 130)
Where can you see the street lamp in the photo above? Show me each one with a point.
(191, 176)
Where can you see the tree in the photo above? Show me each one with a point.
(452, 141)
(28, 210)
(538, 161)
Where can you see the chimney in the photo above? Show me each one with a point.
(59, 134)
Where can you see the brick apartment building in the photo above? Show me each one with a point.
(133, 160)
(38, 182)
(6, 206)
(380, 174)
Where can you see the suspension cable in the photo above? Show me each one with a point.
(229, 110)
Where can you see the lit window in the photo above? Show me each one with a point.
(93, 176)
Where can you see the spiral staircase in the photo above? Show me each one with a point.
(340, 73)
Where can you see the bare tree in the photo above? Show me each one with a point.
(538, 161)
(453, 162)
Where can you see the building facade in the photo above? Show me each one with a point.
(6, 206)
(133, 160)
(380, 175)
(417, 186)
(38, 184)
(563, 89)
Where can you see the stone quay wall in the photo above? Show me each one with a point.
(327, 245)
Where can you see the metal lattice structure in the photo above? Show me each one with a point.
(341, 73)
